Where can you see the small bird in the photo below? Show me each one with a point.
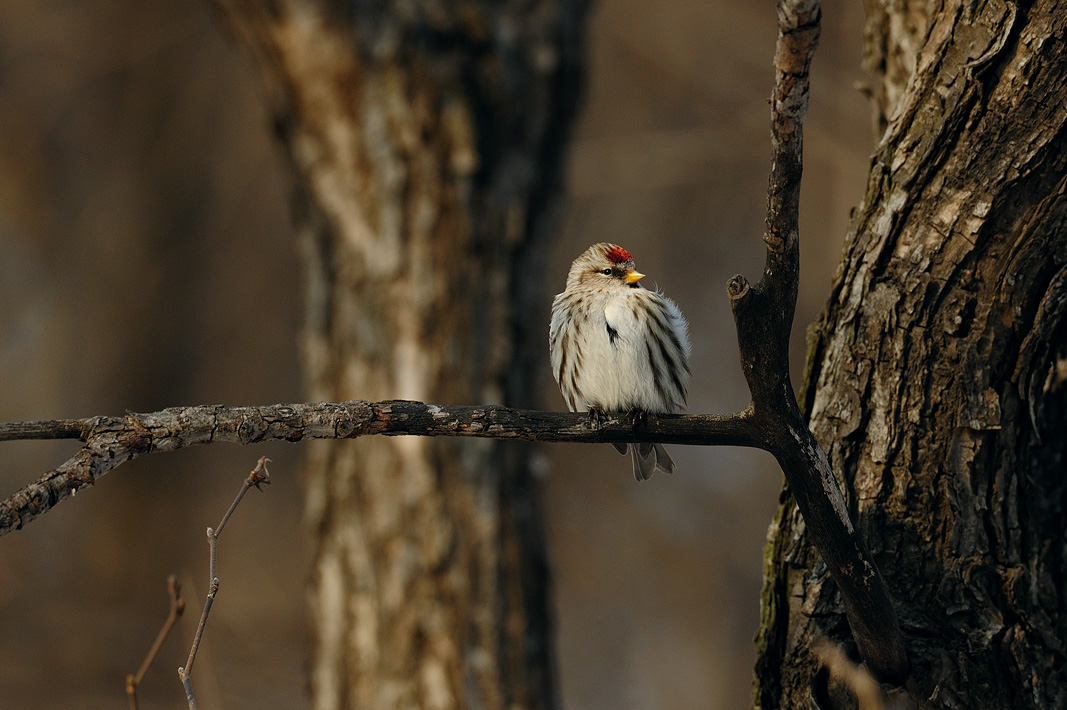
(618, 347)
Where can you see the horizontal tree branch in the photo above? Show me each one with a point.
(45, 429)
(111, 441)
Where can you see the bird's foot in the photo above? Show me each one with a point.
(596, 415)
(638, 418)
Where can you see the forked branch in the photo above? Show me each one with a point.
(763, 313)
(258, 476)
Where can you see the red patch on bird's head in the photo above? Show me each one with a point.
(617, 255)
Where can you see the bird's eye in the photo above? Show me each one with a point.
(606, 272)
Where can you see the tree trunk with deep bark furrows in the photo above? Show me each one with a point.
(937, 376)
(426, 142)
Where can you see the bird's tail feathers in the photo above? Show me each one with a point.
(649, 458)
(664, 462)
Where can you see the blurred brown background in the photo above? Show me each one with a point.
(146, 260)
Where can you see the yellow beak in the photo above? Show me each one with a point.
(633, 276)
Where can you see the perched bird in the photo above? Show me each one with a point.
(618, 347)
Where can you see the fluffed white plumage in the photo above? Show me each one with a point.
(617, 347)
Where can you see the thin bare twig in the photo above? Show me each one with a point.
(257, 477)
(177, 606)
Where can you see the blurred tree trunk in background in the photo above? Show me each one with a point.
(426, 141)
(937, 378)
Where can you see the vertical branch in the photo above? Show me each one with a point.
(764, 316)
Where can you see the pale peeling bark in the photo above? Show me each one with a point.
(938, 378)
(893, 34)
(426, 140)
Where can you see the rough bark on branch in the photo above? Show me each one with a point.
(111, 441)
(764, 316)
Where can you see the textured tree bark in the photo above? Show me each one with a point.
(937, 376)
(426, 141)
